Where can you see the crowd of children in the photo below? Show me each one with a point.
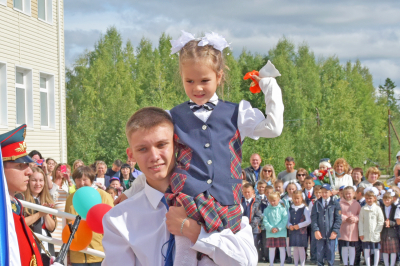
(295, 215)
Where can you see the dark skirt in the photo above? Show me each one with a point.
(297, 240)
(344, 243)
(390, 245)
(276, 242)
(371, 245)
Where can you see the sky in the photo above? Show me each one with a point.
(351, 30)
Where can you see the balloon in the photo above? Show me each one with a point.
(84, 199)
(82, 237)
(95, 216)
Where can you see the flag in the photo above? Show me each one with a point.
(9, 250)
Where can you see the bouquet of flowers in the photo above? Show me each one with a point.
(321, 175)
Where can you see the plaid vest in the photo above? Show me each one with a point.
(209, 154)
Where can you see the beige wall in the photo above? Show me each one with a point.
(30, 43)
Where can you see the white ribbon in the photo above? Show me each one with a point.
(298, 186)
(373, 189)
(214, 39)
(177, 45)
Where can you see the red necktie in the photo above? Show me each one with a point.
(309, 194)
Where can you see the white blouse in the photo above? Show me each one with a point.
(345, 180)
(307, 215)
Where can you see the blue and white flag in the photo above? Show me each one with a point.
(9, 250)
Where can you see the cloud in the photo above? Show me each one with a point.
(367, 30)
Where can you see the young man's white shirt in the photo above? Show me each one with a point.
(135, 231)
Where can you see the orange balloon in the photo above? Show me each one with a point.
(82, 237)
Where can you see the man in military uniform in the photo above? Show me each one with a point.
(16, 169)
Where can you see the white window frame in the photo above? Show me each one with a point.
(48, 11)
(27, 72)
(3, 2)
(3, 95)
(51, 115)
(26, 7)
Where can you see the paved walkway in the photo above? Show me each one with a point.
(307, 262)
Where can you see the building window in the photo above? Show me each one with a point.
(45, 10)
(20, 95)
(44, 105)
(47, 101)
(23, 97)
(3, 95)
(23, 6)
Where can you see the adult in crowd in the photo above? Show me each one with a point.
(127, 177)
(290, 173)
(38, 161)
(357, 176)
(396, 178)
(40, 222)
(101, 180)
(83, 176)
(301, 176)
(51, 164)
(372, 176)
(114, 170)
(253, 171)
(76, 164)
(60, 189)
(340, 176)
(132, 164)
(267, 174)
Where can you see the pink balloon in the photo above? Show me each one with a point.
(95, 216)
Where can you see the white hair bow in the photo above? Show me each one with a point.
(298, 186)
(214, 39)
(177, 45)
(392, 193)
(373, 189)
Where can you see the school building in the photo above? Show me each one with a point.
(32, 73)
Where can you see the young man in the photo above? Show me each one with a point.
(139, 230)
(325, 221)
(16, 169)
(290, 173)
(115, 169)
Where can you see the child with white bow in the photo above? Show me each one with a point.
(209, 133)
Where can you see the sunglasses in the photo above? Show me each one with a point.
(301, 174)
(267, 171)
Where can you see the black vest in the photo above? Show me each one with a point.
(209, 154)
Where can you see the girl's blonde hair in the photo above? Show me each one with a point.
(212, 56)
(370, 194)
(299, 193)
(274, 195)
(341, 161)
(264, 177)
(373, 170)
(44, 195)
